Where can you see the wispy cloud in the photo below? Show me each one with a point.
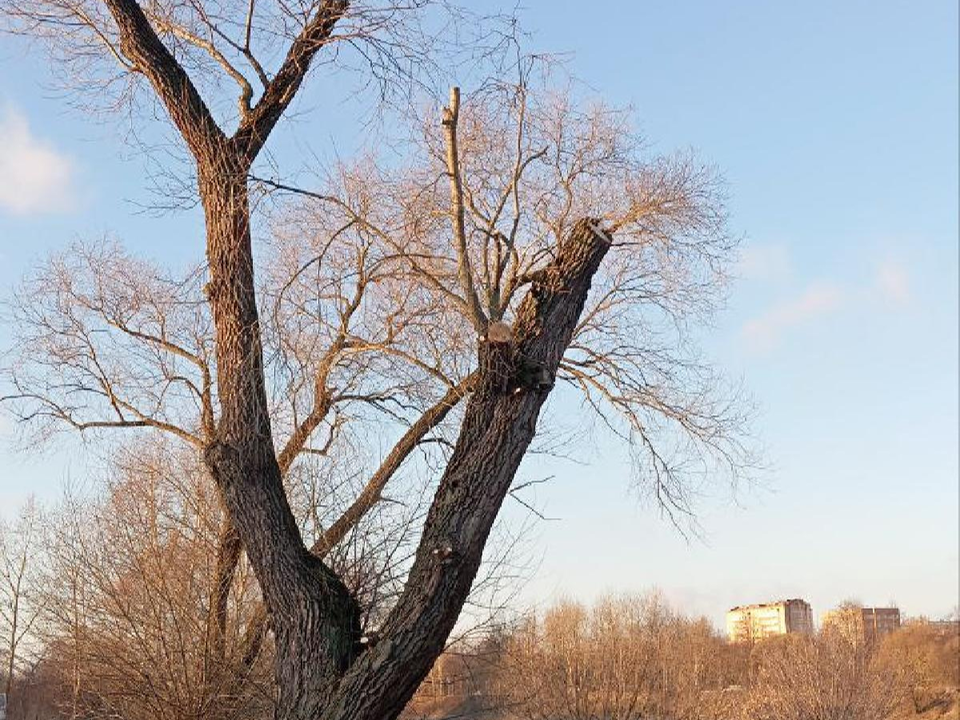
(893, 282)
(767, 262)
(34, 177)
(816, 301)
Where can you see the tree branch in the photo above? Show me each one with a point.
(246, 90)
(372, 491)
(141, 45)
(451, 115)
(255, 128)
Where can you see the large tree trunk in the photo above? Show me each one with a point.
(315, 618)
(499, 423)
(319, 670)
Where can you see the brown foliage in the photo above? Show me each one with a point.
(626, 658)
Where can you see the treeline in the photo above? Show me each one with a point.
(112, 606)
(106, 606)
(635, 658)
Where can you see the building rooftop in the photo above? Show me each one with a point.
(770, 603)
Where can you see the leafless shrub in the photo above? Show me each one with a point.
(133, 575)
(626, 658)
(832, 676)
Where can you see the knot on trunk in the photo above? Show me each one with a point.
(506, 370)
(496, 358)
(530, 375)
(221, 460)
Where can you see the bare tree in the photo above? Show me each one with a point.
(20, 591)
(131, 574)
(832, 676)
(625, 658)
(529, 237)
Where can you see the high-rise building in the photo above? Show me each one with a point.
(868, 623)
(755, 622)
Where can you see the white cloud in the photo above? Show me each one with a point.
(893, 282)
(764, 262)
(34, 177)
(816, 301)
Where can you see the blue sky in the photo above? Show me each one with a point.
(835, 125)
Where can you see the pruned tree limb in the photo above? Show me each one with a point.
(451, 116)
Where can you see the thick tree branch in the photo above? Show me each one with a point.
(373, 490)
(302, 432)
(229, 548)
(141, 46)
(256, 127)
(497, 429)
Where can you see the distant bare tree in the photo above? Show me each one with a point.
(626, 658)
(36, 692)
(926, 655)
(469, 270)
(833, 676)
(21, 605)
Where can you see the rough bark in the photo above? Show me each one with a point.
(148, 55)
(499, 423)
(315, 618)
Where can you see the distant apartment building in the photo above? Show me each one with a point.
(880, 621)
(755, 622)
(870, 623)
